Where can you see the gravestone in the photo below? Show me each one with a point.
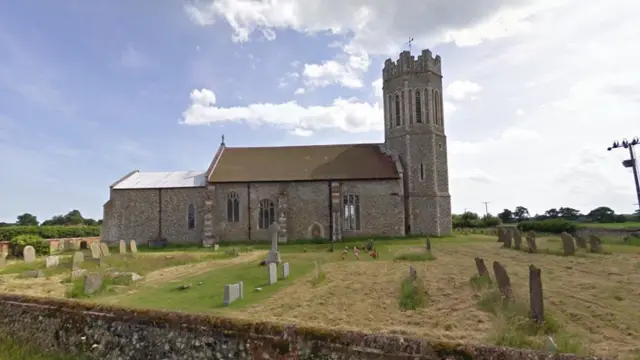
(517, 239)
(581, 241)
(104, 250)
(123, 247)
(133, 247)
(482, 268)
(216, 247)
(78, 258)
(29, 254)
(95, 250)
(595, 244)
(92, 283)
(535, 294)
(274, 254)
(568, 244)
(412, 272)
(235, 252)
(531, 243)
(77, 273)
(272, 268)
(427, 244)
(233, 292)
(500, 234)
(502, 278)
(285, 270)
(51, 261)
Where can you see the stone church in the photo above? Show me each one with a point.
(397, 188)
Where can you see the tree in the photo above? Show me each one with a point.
(506, 216)
(602, 214)
(552, 213)
(521, 213)
(569, 213)
(27, 219)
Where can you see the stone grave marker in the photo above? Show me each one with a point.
(506, 238)
(274, 254)
(123, 247)
(216, 247)
(568, 244)
(235, 252)
(92, 283)
(78, 258)
(531, 243)
(502, 278)
(77, 273)
(517, 239)
(29, 254)
(32, 274)
(482, 268)
(133, 247)
(500, 235)
(104, 249)
(52, 261)
(233, 292)
(273, 273)
(595, 244)
(427, 244)
(95, 250)
(3, 259)
(535, 294)
(285, 270)
(581, 241)
(412, 272)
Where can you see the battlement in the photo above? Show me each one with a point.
(407, 64)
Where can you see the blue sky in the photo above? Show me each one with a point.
(92, 90)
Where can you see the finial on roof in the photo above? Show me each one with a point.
(222, 143)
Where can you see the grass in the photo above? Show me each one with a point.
(412, 295)
(415, 256)
(12, 350)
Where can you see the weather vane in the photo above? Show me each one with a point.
(222, 139)
(409, 43)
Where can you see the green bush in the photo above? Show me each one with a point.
(19, 242)
(7, 233)
(553, 226)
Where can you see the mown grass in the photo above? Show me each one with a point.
(13, 350)
(415, 256)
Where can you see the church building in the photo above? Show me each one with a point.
(397, 188)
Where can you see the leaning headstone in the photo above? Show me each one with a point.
(500, 235)
(285, 270)
(77, 273)
(123, 247)
(133, 247)
(273, 273)
(427, 244)
(482, 268)
(29, 254)
(274, 254)
(517, 239)
(568, 244)
(581, 241)
(32, 274)
(506, 238)
(535, 294)
(502, 278)
(412, 272)
(531, 243)
(231, 293)
(78, 258)
(92, 283)
(51, 261)
(95, 250)
(595, 244)
(104, 250)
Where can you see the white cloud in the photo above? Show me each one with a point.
(133, 58)
(299, 91)
(519, 112)
(461, 89)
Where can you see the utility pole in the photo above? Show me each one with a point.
(486, 208)
(631, 162)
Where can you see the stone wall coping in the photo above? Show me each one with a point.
(399, 347)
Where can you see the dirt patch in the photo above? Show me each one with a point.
(596, 297)
(49, 287)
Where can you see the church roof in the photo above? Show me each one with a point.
(303, 163)
(162, 180)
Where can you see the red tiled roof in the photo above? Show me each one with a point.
(300, 163)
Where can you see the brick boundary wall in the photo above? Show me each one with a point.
(110, 333)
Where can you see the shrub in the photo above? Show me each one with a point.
(553, 226)
(19, 242)
(7, 233)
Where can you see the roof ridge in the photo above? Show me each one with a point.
(299, 146)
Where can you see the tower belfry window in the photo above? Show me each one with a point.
(398, 119)
(421, 171)
(418, 107)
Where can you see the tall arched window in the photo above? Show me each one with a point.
(410, 112)
(266, 214)
(191, 217)
(418, 107)
(233, 207)
(436, 107)
(398, 119)
(421, 171)
(390, 104)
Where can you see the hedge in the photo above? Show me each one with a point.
(40, 245)
(7, 233)
(553, 226)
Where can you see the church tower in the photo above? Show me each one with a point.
(414, 131)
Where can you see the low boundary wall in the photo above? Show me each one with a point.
(110, 333)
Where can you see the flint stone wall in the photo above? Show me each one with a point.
(111, 333)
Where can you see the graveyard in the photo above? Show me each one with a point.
(590, 291)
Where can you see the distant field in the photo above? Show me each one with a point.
(616, 226)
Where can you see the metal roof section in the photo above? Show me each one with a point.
(163, 180)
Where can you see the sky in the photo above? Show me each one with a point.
(535, 91)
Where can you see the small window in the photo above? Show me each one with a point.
(410, 112)
(191, 217)
(398, 119)
(266, 214)
(440, 146)
(437, 108)
(421, 171)
(233, 207)
(418, 107)
(351, 212)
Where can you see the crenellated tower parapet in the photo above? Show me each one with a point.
(408, 64)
